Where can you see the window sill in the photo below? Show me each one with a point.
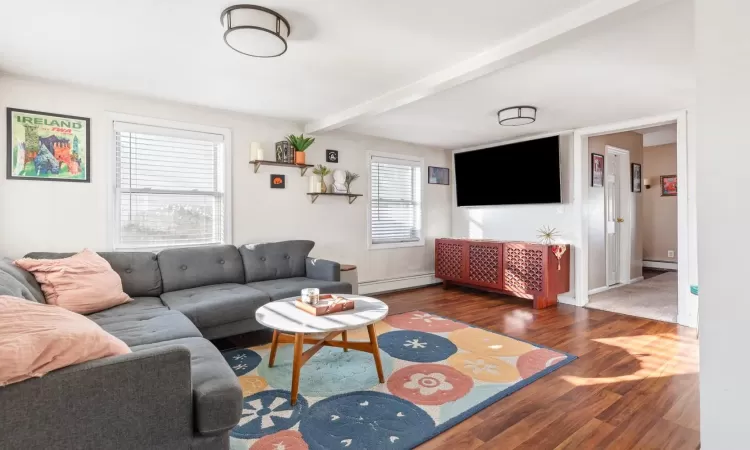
(385, 246)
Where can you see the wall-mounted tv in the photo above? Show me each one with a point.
(514, 174)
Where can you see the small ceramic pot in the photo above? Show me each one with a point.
(299, 157)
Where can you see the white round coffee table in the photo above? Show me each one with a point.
(290, 325)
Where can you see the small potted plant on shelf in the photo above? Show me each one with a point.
(299, 144)
(322, 171)
(350, 177)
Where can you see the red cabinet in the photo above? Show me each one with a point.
(521, 269)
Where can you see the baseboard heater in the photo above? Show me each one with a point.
(397, 284)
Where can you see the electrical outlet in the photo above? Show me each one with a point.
(670, 253)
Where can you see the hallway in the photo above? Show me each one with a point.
(654, 298)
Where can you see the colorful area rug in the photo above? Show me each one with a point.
(438, 373)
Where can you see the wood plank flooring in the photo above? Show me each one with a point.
(634, 386)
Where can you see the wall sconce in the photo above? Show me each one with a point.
(647, 183)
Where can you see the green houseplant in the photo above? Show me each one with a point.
(322, 171)
(350, 177)
(300, 144)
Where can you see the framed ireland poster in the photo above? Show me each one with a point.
(46, 146)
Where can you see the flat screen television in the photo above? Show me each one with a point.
(513, 174)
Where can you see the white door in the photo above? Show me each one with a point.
(613, 217)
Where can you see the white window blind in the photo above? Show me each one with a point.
(395, 201)
(169, 187)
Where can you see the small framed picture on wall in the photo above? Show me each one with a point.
(438, 175)
(636, 178)
(278, 181)
(668, 185)
(597, 170)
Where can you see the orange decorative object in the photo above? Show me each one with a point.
(299, 157)
(277, 180)
(559, 250)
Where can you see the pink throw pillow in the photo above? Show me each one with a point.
(83, 283)
(36, 339)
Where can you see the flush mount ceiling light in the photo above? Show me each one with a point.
(255, 31)
(516, 115)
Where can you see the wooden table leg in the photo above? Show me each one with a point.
(344, 340)
(375, 351)
(274, 345)
(299, 339)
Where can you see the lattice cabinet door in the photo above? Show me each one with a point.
(449, 260)
(485, 264)
(524, 268)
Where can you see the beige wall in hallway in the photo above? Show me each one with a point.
(659, 213)
(633, 142)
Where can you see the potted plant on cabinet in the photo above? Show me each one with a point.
(299, 144)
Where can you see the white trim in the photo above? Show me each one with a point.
(422, 180)
(566, 300)
(184, 128)
(396, 284)
(614, 286)
(526, 45)
(687, 310)
(603, 289)
(661, 265)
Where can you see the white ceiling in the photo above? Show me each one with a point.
(627, 70)
(344, 53)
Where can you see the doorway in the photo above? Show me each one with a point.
(620, 204)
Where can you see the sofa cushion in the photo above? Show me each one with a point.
(185, 268)
(138, 306)
(30, 285)
(149, 327)
(11, 287)
(290, 287)
(217, 394)
(83, 283)
(36, 339)
(274, 260)
(208, 306)
(139, 271)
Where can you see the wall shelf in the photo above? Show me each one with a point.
(314, 196)
(302, 167)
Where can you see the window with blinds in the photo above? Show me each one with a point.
(395, 201)
(169, 187)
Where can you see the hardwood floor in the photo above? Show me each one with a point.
(635, 384)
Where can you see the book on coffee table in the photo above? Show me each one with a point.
(328, 304)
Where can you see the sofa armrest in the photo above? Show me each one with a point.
(322, 269)
(139, 400)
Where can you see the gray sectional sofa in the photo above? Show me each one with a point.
(175, 391)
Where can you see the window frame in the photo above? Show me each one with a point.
(113, 202)
(422, 181)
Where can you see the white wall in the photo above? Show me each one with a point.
(521, 222)
(43, 215)
(723, 71)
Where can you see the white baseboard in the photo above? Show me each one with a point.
(567, 300)
(397, 284)
(599, 289)
(606, 288)
(660, 265)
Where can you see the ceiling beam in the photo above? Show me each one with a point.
(522, 47)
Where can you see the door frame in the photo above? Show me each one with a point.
(687, 307)
(626, 210)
